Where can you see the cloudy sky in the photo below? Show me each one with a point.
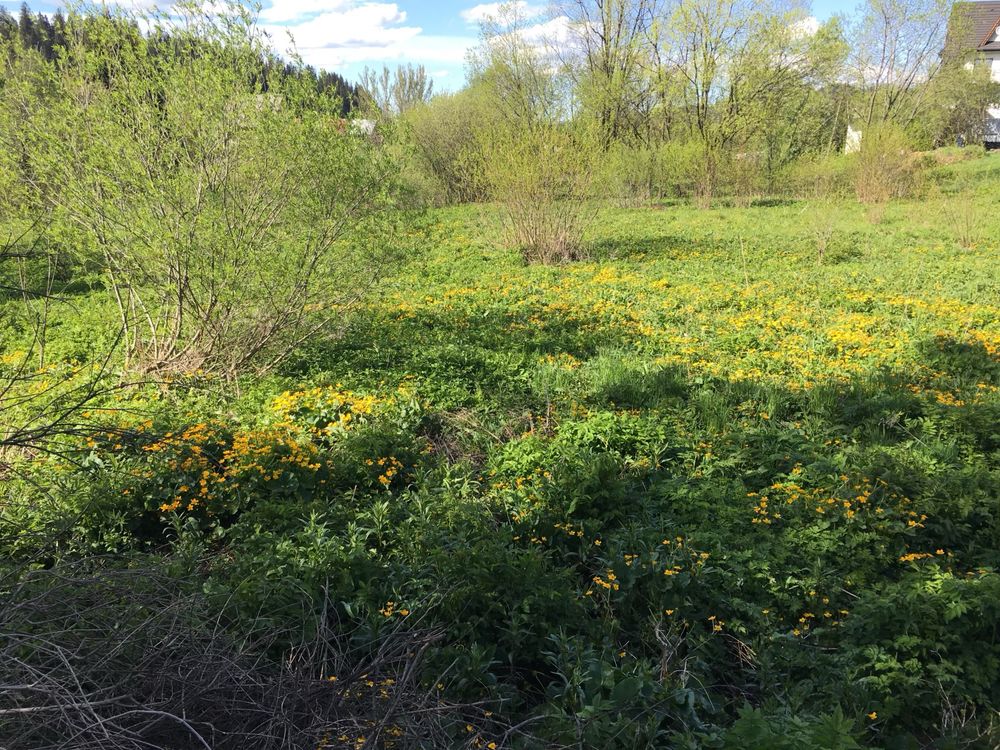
(346, 35)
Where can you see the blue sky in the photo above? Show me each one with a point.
(346, 35)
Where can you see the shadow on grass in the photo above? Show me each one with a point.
(970, 362)
(476, 349)
(664, 246)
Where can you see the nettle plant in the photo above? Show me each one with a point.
(232, 212)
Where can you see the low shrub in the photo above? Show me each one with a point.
(443, 134)
(628, 175)
(540, 176)
(883, 168)
(824, 178)
(678, 165)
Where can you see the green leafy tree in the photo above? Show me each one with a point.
(232, 214)
(608, 58)
(443, 132)
(725, 63)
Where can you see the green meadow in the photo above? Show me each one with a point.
(731, 480)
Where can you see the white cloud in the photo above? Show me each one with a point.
(372, 25)
(808, 26)
(332, 33)
(556, 31)
(546, 38)
(421, 49)
(283, 11)
(486, 11)
(345, 35)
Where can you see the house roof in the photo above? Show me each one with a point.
(979, 20)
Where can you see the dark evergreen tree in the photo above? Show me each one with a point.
(8, 25)
(58, 30)
(45, 36)
(26, 27)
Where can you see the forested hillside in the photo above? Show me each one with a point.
(48, 36)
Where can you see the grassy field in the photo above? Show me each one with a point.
(705, 489)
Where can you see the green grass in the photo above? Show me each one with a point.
(638, 495)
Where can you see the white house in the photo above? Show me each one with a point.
(980, 30)
(974, 27)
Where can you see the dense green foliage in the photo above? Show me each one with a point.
(702, 99)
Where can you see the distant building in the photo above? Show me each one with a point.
(976, 26)
(852, 142)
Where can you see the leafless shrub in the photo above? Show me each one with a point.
(41, 405)
(97, 658)
(965, 219)
(823, 228)
(673, 652)
(822, 221)
(41, 409)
